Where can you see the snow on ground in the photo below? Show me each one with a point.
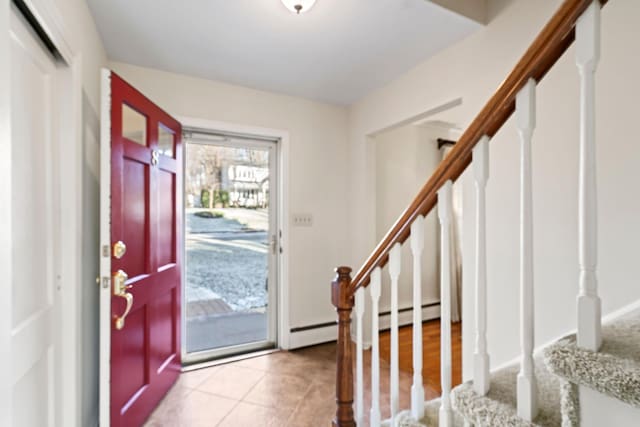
(198, 293)
(234, 219)
(227, 258)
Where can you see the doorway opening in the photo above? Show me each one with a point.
(404, 157)
(231, 244)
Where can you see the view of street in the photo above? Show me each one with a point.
(226, 276)
(226, 258)
(227, 225)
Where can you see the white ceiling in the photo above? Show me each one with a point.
(337, 52)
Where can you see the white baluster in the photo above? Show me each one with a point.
(444, 213)
(526, 121)
(376, 278)
(395, 258)
(359, 357)
(588, 55)
(481, 356)
(417, 389)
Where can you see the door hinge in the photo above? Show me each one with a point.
(106, 251)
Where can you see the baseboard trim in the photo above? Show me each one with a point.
(321, 333)
(622, 311)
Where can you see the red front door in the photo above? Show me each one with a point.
(146, 162)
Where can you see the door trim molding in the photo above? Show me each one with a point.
(282, 136)
(71, 158)
(5, 214)
(69, 162)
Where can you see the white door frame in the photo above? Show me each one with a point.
(282, 148)
(5, 214)
(69, 157)
(104, 374)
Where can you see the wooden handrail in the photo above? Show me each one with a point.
(554, 39)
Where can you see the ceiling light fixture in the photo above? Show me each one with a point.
(298, 6)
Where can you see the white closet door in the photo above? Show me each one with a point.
(35, 317)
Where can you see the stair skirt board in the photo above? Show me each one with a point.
(613, 371)
(557, 402)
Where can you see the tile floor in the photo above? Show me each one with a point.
(284, 389)
(277, 390)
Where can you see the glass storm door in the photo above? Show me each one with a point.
(230, 245)
(140, 260)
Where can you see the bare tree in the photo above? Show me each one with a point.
(205, 166)
(204, 169)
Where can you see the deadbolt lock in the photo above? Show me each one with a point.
(119, 249)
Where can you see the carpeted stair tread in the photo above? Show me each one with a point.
(614, 370)
(499, 406)
(431, 417)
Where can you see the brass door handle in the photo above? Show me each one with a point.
(120, 290)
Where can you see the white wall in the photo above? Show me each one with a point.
(85, 41)
(317, 170)
(473, 69)
(405, 158)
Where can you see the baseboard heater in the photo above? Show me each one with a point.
(385, 313)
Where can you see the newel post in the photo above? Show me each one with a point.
(342, 299)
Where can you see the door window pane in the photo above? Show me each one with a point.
(134, 125)
(165, 141)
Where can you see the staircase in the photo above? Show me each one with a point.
(544, 388)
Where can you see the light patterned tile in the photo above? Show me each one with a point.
(316, 408)
(294, 389)
(250, 415)
(193, 379)
(196, 409)
(283, 391)
(231, 381)
(268, 362)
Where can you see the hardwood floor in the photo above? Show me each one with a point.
(430, 353)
